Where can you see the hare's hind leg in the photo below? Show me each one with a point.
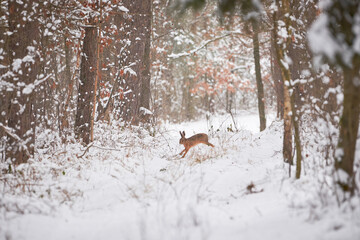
(211, 145)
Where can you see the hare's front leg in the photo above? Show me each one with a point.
(182, 152)
(186, 150)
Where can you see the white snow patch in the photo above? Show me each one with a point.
(130, 185)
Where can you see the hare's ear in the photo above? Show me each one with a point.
(184, 133)
(180, 133)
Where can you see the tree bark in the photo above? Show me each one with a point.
(259, 83)
(295, 120)
(278, 82)
(64, 124)
(344, 14)
(285, 75)
(24, 64)
(97, 75)
(86, 86)
(136, 25)
(145, 73)
(290, 114)
(287, 140)
(349, 126)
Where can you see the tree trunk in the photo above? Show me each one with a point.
(136, 27)
(22, 45)
(64, 124)
(285, 75)
(259, 83)
(349, 124)
(97, 75)
(290, 117)
(295, 121)
(277, 78)
(287, 140)
(145, 73)
(187, 102)
(289, 111)
(86, 86)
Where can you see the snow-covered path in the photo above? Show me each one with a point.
(146, 192)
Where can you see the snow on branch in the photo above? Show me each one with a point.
(30, 87)
(204, 44)
(11, 133)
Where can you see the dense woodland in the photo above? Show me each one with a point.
(67, 66)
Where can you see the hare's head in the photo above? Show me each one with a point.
(182, 139)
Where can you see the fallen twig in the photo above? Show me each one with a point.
(87, 149)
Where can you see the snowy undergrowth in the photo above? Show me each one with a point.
(316, 193)
(130, 185)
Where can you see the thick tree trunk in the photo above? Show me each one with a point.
(136, 27)
(259, 83)
(24, 63)
(86, 86)
(349, 124)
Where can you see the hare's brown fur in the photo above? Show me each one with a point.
(193, 141)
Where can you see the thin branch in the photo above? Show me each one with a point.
(102, 148)
(203, 45)
(87, 149)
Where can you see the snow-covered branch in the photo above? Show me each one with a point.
(12, 134)
(205, 43)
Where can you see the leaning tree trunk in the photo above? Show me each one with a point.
(290, 114)
(285, 77)
(86, 86)
(259, 83)
(24, 64)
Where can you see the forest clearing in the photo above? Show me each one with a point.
(179, 119)
(146, 191)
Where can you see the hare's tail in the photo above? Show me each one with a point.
(211, 145)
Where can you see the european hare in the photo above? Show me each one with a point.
(193, 141)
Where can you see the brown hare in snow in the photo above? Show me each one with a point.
(193, 141)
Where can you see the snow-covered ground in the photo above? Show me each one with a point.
(130, 185)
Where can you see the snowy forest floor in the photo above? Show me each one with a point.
(130, 185)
